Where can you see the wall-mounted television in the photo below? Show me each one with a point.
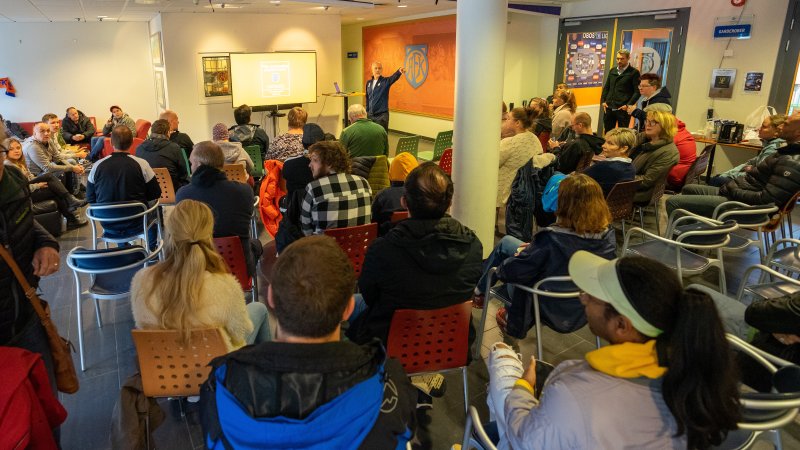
(273, 79)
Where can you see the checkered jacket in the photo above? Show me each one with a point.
(335, 201)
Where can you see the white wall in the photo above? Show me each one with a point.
(186, 35)
(87, 65)
(529, 67)
(703, 53)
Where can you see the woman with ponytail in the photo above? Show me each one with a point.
(516, 150)
(192, 288)
(665, 380)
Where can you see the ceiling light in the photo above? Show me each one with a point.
(402, 6)
(223, 6)
(145, 2)
(275, 2)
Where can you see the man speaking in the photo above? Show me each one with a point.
(378, 94)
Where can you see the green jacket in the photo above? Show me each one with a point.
(365, 138)
(653, 161)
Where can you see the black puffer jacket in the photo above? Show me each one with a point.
(22, 236)
(775, 180)
(419, 264)
(662, 96)
(70, 128)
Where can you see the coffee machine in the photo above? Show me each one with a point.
(730, 132)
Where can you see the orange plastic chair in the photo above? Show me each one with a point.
(230, 248)
(354, 241)
(165, 182)
(108, 149)
(142, 127)
(433, 340)
(446, 163)
(235, 172)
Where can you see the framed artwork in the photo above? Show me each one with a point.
(161, 97)
(156, 51)
(213, 78)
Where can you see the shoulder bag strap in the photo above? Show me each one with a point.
(30, 292)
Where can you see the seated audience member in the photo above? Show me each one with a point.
(666, 380)
(76, 127)
(192, 287)
(159, 151)
(582, 223)
(770, 141)
(289, 144)
(389, 200)
(335, 199)
(57, 142)
(541, 116)
(308, 388)
(182, 139)
(46, 186)
(230, 201)
(559, 87)
(122, 177)
(233, 151)
(118, 117)
(651, 93)
(516, 151)
(426, 262)
(775, 180)
(42, 158)
(578, 152)
(248, 133)
(296, 174)
(615, 165)
(363, 137)
(687, 154)
(655, 155)
(564, 107)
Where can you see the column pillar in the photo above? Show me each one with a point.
(480, 63)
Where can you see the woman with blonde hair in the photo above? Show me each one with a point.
(582, 223)
(192, 288)
(564, 106)
(656, 153)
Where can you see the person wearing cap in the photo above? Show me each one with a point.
(656, 153)
(666, 378)
(389, 200)
(234, 152)
(363, 137)
(118, 117)
(289, 144)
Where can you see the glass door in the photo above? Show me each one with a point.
(785, 92)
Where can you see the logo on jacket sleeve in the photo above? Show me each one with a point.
(416, 64)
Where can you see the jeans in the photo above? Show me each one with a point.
(696, 198)
(96, 148)
(730, 310)
(259, 316)
(719, 180)
(505, 249)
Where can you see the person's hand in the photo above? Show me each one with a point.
(402, 70)
(45, 261)
(552, 143)
(598, 158)
(81, 154)
(605, 106)
(623, 108)
(77, 169)
(787, 339)
(41, 185)
(748, 168)
(521, 247)
(530, 373)
(78, 137)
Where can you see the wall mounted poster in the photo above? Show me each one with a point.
(753, 81)
(586, 59)
(722, 83)
(156, 51)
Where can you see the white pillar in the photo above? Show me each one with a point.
(480, 62)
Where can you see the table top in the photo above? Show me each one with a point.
(744, 145)
(343, 94)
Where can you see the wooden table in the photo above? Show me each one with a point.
(712, 145)
(346, 96)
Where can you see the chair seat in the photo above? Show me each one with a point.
(737, 242)
(666, 254)
(737, 439)
(773, 290)
(426, 155)
(113, 284)
(785, 258)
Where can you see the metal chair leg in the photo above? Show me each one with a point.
(466, 390)
(538, 325)
(80, 320)
(97, 313)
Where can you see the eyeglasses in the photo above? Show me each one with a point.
(651, 123)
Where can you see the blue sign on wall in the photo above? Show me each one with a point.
(741, 31)
(352, 54)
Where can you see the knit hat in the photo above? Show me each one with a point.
(220, 132)
(312, 133)
(401, 166)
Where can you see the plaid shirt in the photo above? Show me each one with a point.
(335, 201)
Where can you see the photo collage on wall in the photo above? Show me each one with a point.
(586, 59)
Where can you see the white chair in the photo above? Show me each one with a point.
(751, 217)
(779, 286)
(478, 439)
(110, 213)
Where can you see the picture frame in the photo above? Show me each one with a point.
(213, 75)
(161, 97)
(156, 50)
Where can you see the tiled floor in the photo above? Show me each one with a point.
(111, 359)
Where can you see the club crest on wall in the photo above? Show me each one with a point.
(416, 64)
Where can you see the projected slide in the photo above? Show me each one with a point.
(277, 78)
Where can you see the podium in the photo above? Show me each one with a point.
(346, 96)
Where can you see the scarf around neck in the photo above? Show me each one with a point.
(628, 360)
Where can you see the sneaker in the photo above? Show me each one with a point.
(432, 385)
(478, 300)
(424, 401)
(502, 319)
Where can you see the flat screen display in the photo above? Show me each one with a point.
(274, 78)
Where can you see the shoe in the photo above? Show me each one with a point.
(502, 319)
(424, 401)
(74, 202)
(478, 300)
(76, 221)
(80, 195)
(433, 385)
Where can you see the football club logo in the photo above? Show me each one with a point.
(416, 64)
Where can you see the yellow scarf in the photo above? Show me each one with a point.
(628, 360)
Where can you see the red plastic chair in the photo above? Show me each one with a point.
(109, 149)
(397, 216)
(544, 137)
(446, 163)
(230, 248)
(433, 340)
(142, 127)
(354, 241)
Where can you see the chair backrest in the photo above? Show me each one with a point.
(446, 161)
(117, 212)
(235, 172)
(142, 128)
(443, 140)
(430, 340)
(254, 151)
(107, 260)
(354, 241)
(544, 138)
(697, 168)
(172, 368)
(408, 144)
(745, 215)
(231, 250)
(94, 124)
(397, 216)
(620, 199)
(658, 191)
(186, 161)
(786, 209)
(165, 182)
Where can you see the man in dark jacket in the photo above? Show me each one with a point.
(182, 139)
(775, 180)
(159, 151)
(619, 91)
(308, 388)
(230, 201)
(651, 93)
(377, 91)
(248, 133)
(578, 153)
(428, 261)
(76, 127)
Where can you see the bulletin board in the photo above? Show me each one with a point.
(405, 44)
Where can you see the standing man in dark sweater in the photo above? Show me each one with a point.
(620, 90)
(159, 151)
(182, 139)
(378, 94)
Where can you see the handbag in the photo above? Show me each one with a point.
(66, 377)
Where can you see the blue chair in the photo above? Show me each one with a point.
(110, 213)
(110, 272)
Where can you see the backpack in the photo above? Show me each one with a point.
(550, 195)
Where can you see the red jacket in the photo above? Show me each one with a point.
(28, 409)
(271, 192)
(688, 153)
